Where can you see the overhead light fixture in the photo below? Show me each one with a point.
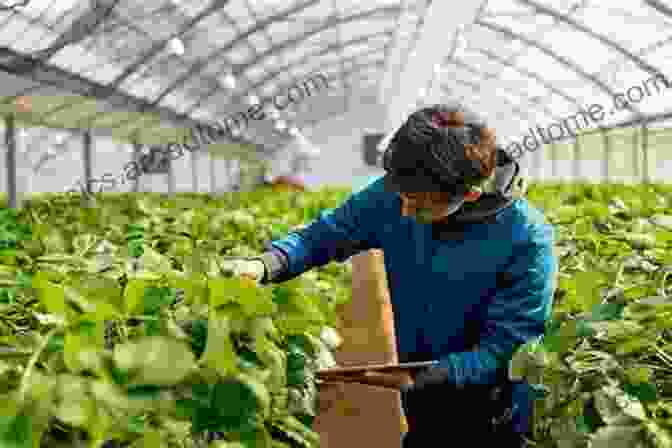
(280, 125)
(422, 92)
(229, 81)
(273, 113)
(460, 47)
(294, 131)
(60, 139)
(253, 100)
(176, 46)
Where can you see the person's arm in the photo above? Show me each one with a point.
(335, 236)
(516, 314)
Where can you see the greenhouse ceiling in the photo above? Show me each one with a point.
(143, 70)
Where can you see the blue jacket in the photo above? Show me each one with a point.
(467, 302)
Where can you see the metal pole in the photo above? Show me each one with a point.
(645, 154)
(170, 176)
(576, 168)
(213, 179)
(194, 171)
(635, 155)
(10, 161)
(86, 158)
(606, 139)
(554, 172)
(137, 148)
(86, 161)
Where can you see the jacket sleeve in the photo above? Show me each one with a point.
(335, 235)
(517, 313)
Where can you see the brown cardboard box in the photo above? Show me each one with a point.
(366, 416)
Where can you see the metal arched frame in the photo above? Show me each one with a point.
(113, 86)
(324, 67)
(541, 9)
(515, 92)
(154, 50)
(156, 121)
(478, 92)
(354, 70)
(275, 49)
(566, 62)
(305, 59)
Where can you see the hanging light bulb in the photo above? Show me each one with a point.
(273, 113)
(229, 81)
(253, 100)
(294, 131)
(461, 46)
(280, 125)
(176, 46)
(60, 139)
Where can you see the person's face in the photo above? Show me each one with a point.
(425, 207)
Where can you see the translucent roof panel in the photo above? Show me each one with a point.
(525, 60)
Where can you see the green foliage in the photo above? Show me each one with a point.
(604, 368)
(121, 323)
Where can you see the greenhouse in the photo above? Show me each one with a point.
(336, 224)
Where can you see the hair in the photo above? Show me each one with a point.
(459, 143)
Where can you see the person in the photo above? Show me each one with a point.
(470, 268)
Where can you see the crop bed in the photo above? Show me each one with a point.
(121, 326)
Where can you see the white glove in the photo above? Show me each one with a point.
(253, 269)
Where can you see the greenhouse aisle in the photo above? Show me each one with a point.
(335, 224)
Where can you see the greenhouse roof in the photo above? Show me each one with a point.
(133, 68)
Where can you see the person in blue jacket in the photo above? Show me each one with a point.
(470, 266)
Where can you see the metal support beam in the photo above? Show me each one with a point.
(645, 155)
(137, 148)
(394, 54)
(87, 144)
(441, 19)
(319, 69)
(635, 155)
(566, 62)
(606, 141)
(554, 161)
(576, 166)
(213, 177)
(10, 161)
(205, 62)
(194, 170)
(545, 10)
(170, 177)
(307, 59)
(539, 161)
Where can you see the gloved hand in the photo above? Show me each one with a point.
(245, 267)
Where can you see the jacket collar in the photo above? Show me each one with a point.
(508, 186)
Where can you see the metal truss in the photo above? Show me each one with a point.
(300, 63)
(293, 42)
